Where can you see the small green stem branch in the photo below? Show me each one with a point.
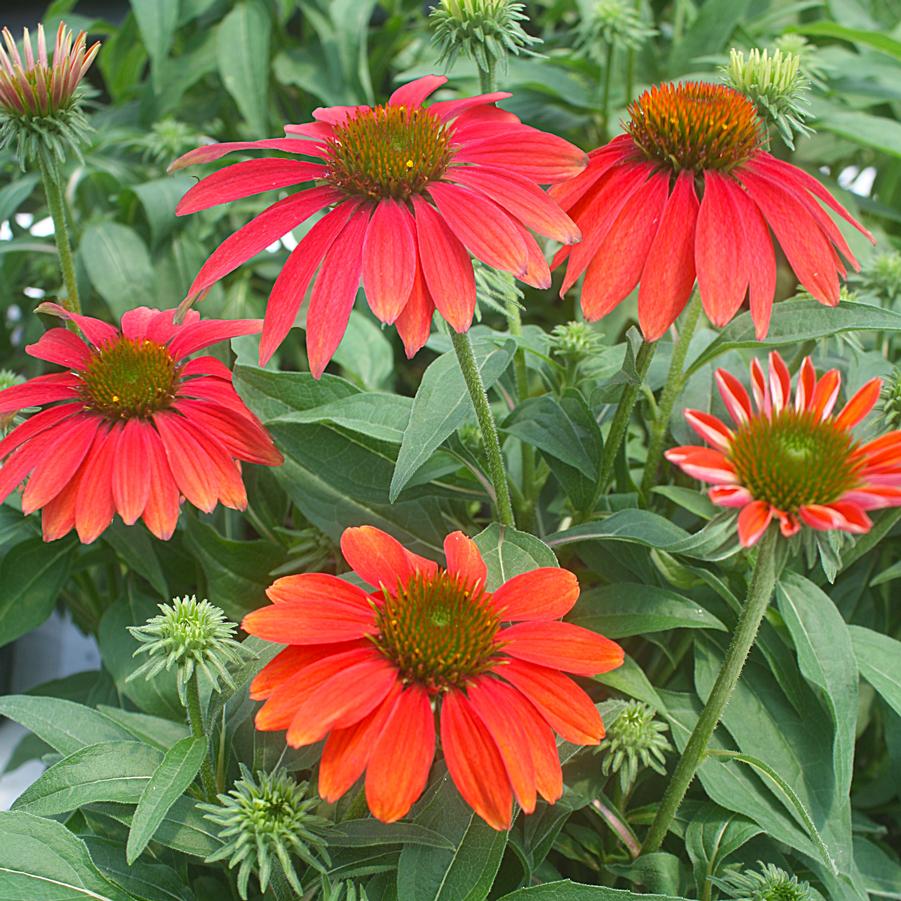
(473, 379)
(195, 720)
(620, 424)
(760, 590)
(57, 205)
(675, 382)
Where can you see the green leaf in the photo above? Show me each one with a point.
(382, 416)
(138, 552)
(152, 730)
(108, 771)
(712, 835)
(508, 552)
(119, 267)
(144, 881)
(64, 725)
(630, 680)
(364, 833)
(365, 352)
(243, 47)
(875, 39)
(157, 20)
(40, 860)
(159, 199)
(442, 404)
(879, 132)
(877, 658)
(273, 394)
(565, 890)
(624, 609)
(168, 783)
(633, 526)
(32, 575)
(796, 321)
(14, 194)
(715, 22)
(881, 872)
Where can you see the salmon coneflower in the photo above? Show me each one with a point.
(793, 462)
(409, 192)
(133, 425)
(369, 671)
(642, 222)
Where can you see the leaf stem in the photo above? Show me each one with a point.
(56, 204)
(195, 720)
(675, 382)
(473, 379)
(760, 591)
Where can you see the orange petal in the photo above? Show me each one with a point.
(564, 646)
(313, 588)
(324, 622)
(379, 559)
(464, 559)
(541, 594)
(753, 521)
(859, 405)
(289, 662)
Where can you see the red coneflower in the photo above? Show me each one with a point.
(369, 671)
(409, 190)
(642, 223)
(133, 425)
(794, 462)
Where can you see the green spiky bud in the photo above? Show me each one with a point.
(486, 31)
(635, 739)
(891, 400)
(575, 341)
(769, 883)
(611, 23)
(189, 635)
(777, 86)
(265, 822)
(882, 277)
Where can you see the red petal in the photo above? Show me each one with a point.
(43, 389)
(95, 330)
(807, 382)
(313, 588)
(753, 521)
(58, 516)
(408, 736)
(131, 487)
(449, 109)
(162, 507)
(136, 321)
(710, 429)
(389, 260)
(780, 381)
(719, 252)
(225, 470)
(490, 700)
(570, 192)
(35, 425)
(540, 741)
(188, 461)
(734, 396)
(291, 285)
(379, 559)
(59, 345)
(242, 436)
(415, 321)
(94, 506)
(669, 272)
(730, 496)
(246, 179)
(334, 292)
(413, 93)
(291, 661)
(541, 594)
(860, 405)
(210, 152)
(566, 707)
(542, 157)
(474, 762)
(197, 335)
(446, 267)
(825, 394)
(266, 228)
(464, 559)
(325, 622)
(564, 646)
(703, 463)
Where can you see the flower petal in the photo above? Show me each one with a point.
(415, 321)
(43, 389)
(59, 345)
(415, 92)
(326, 621)
(710, 429)
(563, 646)
(195, 336)
(94, 505)
(208, 153)
(703, 463)
(860, 405)
(542, 157)
(734, 396)
(290, 662)
(730, 496)
(95, 330)
(753, 521)
(389, 260)
(540, 594)
(381, 560)
(464, 559)
(131, 487)
(188, 461)
(163, 502)
(316, 588)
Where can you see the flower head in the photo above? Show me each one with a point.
(409, 191)
(132, 427)
(891, 400)
(642, 222)
(265, 822)
(634, 739)
(769, 883)
(484, 30)
(39, 102)
(612, 23)
(189, 635)
(793, 462)
(368, 671)
(883, 277)
(575, 341)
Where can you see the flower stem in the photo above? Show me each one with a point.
(57, 205)
(605, 97)
(195, 720)
(760, 590)
(473, 379)
(675, 382)
(621, 418)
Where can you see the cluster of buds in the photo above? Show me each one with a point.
(574, 342)
(611, 23)
(265, 822)
(634, 740)
(40, 108)
(776, 85)
(769, 883)
(486, 31)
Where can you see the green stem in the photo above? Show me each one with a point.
(473, 379)
(605, 97)
(488, 76)
(759, 592)
(675, 382)
(195, 720)
(57, 205)
(620, 424)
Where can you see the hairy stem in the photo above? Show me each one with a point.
(57, 205)
(195, 720)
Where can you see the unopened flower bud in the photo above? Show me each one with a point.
(612, 23)
(634, 740)
(770, 883)
(575, 341)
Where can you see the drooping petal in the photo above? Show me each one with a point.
(669, 272)
(94, 505)
(131, 487)
(334, 292)
(543, 157)
(188, 461)
(415, 321)
(225, 470)
(540, 594)
(59, 345)
(36, 425)
(162, 507)
(408, 736)
(465, 560)
(446, 267)
(753, 521)
(197, 335)
(95, 330)
(563, 704)
(290, 662)
(474, 762)
(242, 436)
(570, 192)
(563, 646)
(541, 744)
(389, 260)
(43, 389)
(208, 153)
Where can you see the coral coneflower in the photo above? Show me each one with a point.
(638, 207)
(409, 192)
(793, 462)
(369, 671)
(132, 427)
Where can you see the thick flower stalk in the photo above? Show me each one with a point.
(369, 672)
(132, 427)
(795, 463)
(408, 192)
(643, 223)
